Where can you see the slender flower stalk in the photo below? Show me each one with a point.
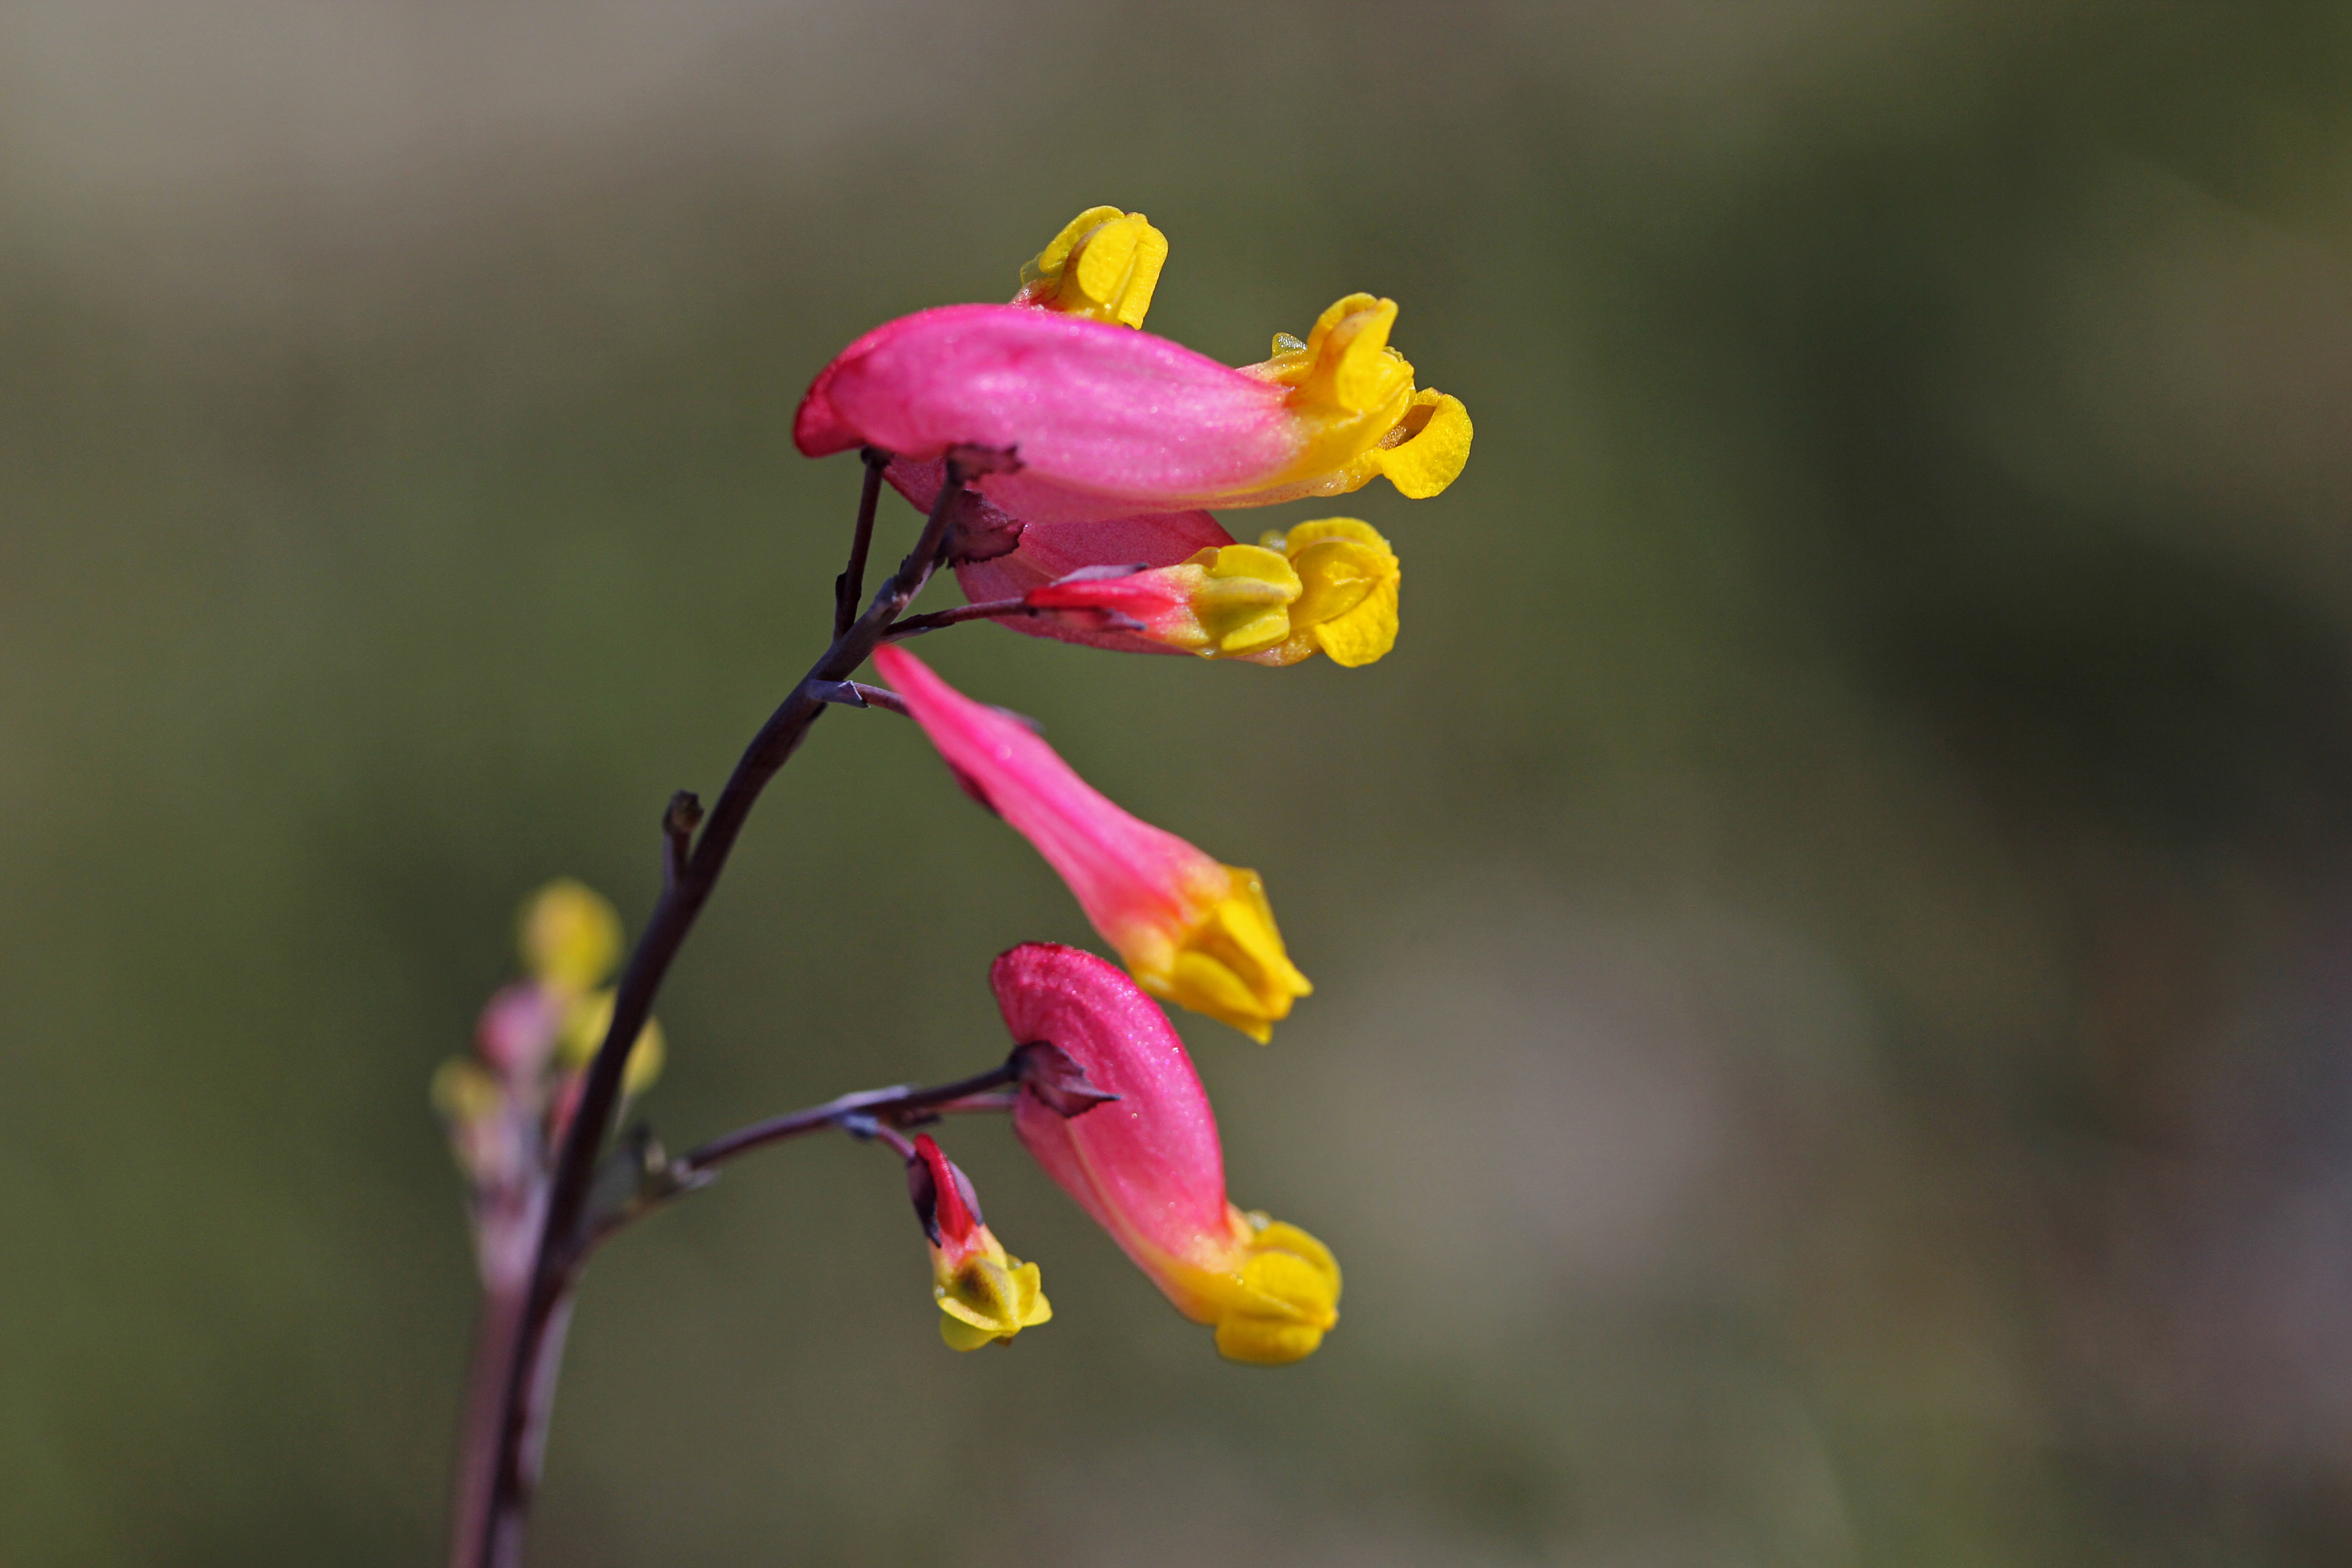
(1192, 929)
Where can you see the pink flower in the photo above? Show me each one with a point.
(1111, 422)
(1148, 1166)
(1192, 930)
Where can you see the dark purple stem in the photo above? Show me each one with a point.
(850, 586)
(880, 1106)
(495, 1540)
(987, 610)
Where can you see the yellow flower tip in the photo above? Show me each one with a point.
(1347, 605)
(585, 1023)
(988, 1297)
(1104, 266)
(1428, 448)
(1242, 602)
(1287, 1299)
(1352, 395)
(570, 936)
(1230, 964)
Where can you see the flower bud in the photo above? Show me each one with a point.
(985, 1295)
(1329, 586)
(570, 936)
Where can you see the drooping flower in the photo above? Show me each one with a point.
(1192, 930)
(985, 1295)
(1329, 586)
(1148, 1167)
(1112, 422)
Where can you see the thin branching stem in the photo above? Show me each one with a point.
(883, 1107)
(987, 610)
(488, 1531)
(850, 586)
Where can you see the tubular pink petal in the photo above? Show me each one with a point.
(1111, 422)
(1147, 1167)
(1191, 928)
(1133, 879)
(1101, 411)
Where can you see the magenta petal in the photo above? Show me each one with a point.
(1140, 885)
(1107, 420)
(1148, 1165)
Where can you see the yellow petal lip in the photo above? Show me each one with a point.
(1356, 413)
(1347, 605)
(1284, 1299)
(1429, 447)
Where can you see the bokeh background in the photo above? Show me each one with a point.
(1833, 929)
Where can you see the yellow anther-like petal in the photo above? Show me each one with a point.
(1348, 388)
(1104, 266)
(570, 936)
(1231, 965)
(990, 1298)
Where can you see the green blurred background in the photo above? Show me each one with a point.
(1833, 930)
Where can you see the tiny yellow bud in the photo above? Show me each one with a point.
(570, 936)
(988, 1299)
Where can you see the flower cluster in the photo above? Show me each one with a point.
(1066, 458)
(1096, 535)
